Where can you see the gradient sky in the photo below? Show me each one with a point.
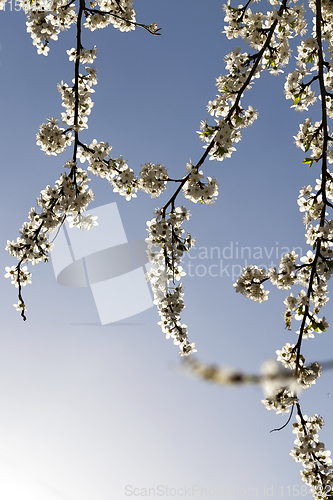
(88, 409)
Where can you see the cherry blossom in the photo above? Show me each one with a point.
(267, 38)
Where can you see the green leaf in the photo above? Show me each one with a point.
(310, 58)
(208, 131)
(308, 160)
(226, 89)
(296, 100)
(270, 63)
(220, 151)
(182, 247)
(318, 327)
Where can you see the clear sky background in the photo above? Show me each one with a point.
(88, 409)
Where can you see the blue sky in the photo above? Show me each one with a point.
(88, 409)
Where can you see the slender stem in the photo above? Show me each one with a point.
(76, 87)
(324, 129)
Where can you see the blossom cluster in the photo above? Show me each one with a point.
(285, 277)
(116, 171)
(70, 196)
(166, 245)
(53, 139)
(315, 268)
(46, 19)
(194, 189)
(308, 61)
(23, 277)
(229, 119)
(281, 401)
(318, 470)
(82, 221)
(252, 26)
(281, 385)
(119, 13)
(153, 179)
(269, 34)
(289, 273)
(250, 284)
(77, 101)
(66, 197)
(311, 137)
(87, 56)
